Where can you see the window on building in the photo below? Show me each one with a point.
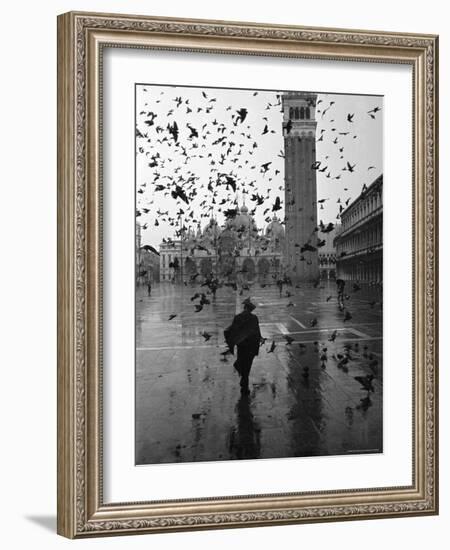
(302, 112)
(308, 112)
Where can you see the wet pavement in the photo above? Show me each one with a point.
(304, 399)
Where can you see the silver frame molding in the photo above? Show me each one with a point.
(81, 37)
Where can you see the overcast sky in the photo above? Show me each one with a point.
(226, 145)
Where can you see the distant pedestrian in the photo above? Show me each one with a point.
(213, 287)
(244, 333)
(280, 286)
(340, 284)
(149, 288)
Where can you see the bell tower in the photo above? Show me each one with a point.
(299, 131)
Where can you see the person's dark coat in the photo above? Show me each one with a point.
(340, 283)
(244, 332)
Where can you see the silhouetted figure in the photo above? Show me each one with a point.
(213, 287)
(280, 286)
(244, 333)
(149, 288)
(340, 283)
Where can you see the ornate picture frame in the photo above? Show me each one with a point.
(82, 37)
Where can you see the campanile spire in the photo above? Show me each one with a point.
(299, 131)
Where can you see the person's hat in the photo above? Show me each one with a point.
(249, 304)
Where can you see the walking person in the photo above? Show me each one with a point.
(340, 283)
(244, 333)
(149, 287)
(280, 286)
(214, 285)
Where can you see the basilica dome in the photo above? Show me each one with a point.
(211, 229)
(242, 222)
(275, 229)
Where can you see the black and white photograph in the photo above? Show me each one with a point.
(259, 274)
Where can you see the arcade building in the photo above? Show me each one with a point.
(359, 245)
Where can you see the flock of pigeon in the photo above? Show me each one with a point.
(198, 149)
(342, 357)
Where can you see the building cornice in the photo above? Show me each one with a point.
(359, 225)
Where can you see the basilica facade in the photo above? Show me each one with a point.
(236, 252)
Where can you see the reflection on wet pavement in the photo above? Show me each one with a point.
(244, 435)
(304, 398)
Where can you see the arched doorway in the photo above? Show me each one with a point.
(206, 267)
(276, 266)
(248, 270)
(189, 268)
(263, 270)
(227, 267)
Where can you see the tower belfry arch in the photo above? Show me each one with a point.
(299, 132)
